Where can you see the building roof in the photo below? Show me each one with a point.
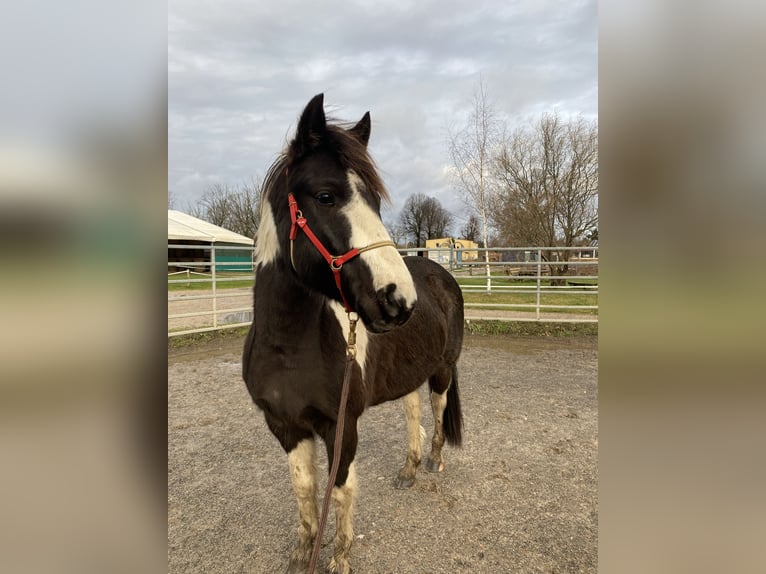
(182, 226)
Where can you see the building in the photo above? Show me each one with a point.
(460, 247)
(190, 242)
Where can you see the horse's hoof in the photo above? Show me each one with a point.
(403, 483)
(338, 567)
(432, 466)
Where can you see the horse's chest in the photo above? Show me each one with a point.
(288, 386)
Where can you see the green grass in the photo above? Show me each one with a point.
(560, 298)
(183, 341)
(511, 328)
(497, 298)
(496, 280)
(530, 328)
(241, 279)
(505, 281)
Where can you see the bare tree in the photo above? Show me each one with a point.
(472, 149)
(424, 218)
(171, 200)
(397, 233)
(471, 229)
(233, 208)
(548, 178)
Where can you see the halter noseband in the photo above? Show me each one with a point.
(335, 261)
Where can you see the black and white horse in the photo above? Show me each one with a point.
(321, 198)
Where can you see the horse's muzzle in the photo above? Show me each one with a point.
(392, 310)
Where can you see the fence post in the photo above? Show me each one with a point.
(537, 293)
(489, 272)
(212, 268)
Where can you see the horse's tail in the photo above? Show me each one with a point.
(453, 416)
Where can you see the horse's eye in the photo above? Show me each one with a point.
(325, 198)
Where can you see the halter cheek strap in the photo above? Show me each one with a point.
(334, 261)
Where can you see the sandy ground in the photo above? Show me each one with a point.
(520, 496)
(229, 304)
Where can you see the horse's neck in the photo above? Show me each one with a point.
(284, 309)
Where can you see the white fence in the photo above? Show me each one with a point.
(211, 289)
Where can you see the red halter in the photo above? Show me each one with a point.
(335, 261)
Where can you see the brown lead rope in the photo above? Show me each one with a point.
(350, 358)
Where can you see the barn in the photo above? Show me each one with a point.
(192, 242)
(460, 245)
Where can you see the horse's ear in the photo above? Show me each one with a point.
(312, 125)
(362, 129)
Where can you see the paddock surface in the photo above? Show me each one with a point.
(520, 496)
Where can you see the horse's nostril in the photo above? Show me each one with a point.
(388, 301)
(391, 294)
(393, 306)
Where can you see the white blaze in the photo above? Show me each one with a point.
(385, 263)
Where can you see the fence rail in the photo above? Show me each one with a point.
(211, 288)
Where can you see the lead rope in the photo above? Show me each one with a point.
(350, 358)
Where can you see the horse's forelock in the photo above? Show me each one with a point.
(354, 156)
(351, 153)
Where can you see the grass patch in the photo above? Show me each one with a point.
(203, 281)
(530, 328)
(474, 327)
(500, 279)
(557, 298)
(182, 341)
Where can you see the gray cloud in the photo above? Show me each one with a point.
(239, 74)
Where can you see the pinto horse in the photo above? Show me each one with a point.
(321, 197)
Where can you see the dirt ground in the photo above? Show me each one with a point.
(230, 303)
(520, 496)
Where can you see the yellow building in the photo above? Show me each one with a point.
(460, 245)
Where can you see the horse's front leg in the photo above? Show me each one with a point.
(343, 497)
(406, 477)
(302, 461)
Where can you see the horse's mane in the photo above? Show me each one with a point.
(351, 152)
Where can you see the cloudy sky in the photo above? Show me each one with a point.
(241, 71)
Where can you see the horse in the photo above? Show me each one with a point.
(322, 196)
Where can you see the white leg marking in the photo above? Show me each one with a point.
(266, 242)
(303, 472)
(414, 430)
(385, 263)
(438, 404)
(343, 497)
(406, 476)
